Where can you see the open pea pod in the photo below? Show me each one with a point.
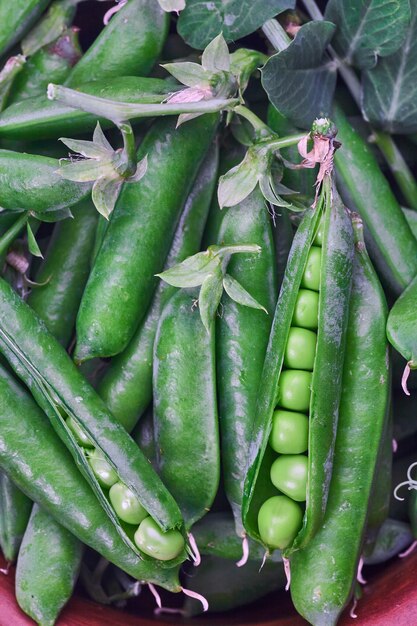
(335, 274)
(62, 392)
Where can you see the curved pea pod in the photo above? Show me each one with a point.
(393, 538)
(242, 338)
(126, 388)
(139, 236)
(129, 45)
(323, 574)
(16, 18)
(411, 217)
(333, 299)
(401, 329)
(185, 407)
(31, 183)
(64, 272)
(62, 392)
(52, 63)
(41, 466)
(144, 436)
(396, 247)
(40, 118)
(47, 568)
(15, 509)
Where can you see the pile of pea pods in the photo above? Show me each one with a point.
(207, 327)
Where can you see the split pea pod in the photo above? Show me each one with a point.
(15, 509)
(16, 18)
(101, 448)
(31, 183)
(242, 339)
(323, 573)
(401, 329)
(51, 63)
(185, 407)
(40, 465)
(40, 118)
(47, 567)
(300, 385)
(379, 209)
(138, 237)
(129, 45)
(126, 387)
(64, 272)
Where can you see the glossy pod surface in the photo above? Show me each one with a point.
(242, 338)
(15, 508)
(47, 567)
(129, 45)
(126, 387)
(41, 466)
(335, 283)
(139, 236)
(59, 388)
(31, 183)
(401, 326)
(65, 271)
(185, 407)
(16, 18)
(40, 118)
(324, 572)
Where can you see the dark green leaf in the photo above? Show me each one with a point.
(32, 243)
(367, 29)
(201, 21)
(390, 88)
(300, 80)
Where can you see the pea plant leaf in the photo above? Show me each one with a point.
(301, 79)
(367, 29)
(202, 20)
(235, 291)
(32, 243)
(389, 98)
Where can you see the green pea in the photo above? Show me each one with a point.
(300, 349)
(154, 542)
(80, 435)
(289, 434)
(279, 520)
(306, 311)
(318, 240)
(311, 276)
(289, 475)
(126, 504)
(294, 390)
(102, 470)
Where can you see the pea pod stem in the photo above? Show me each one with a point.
(275, 34)
(119, 112)
(128, 162)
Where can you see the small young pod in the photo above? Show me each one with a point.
(314, 391)
(323, 573)
(402, 331)
(15, 509)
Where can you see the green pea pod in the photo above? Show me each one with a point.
(374, 200)
(335, 280)
(283, 235)
(144, 436)
(49, 64)
(411, 217)
(16, 18)
(185, 407)
(15, 510)
(40, 465)
(47, 568)
(242, 339)
(40, 118)
(379, 501)
(139, 235)
(64, 272)
(62, 392)
(401, 330)
(126, 388)
(129, 45)
(393, 538)
(32, 183)
(323, 574)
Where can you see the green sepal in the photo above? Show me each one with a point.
(32, 243)
(172, 5)
(210, 295)
(236, 292)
